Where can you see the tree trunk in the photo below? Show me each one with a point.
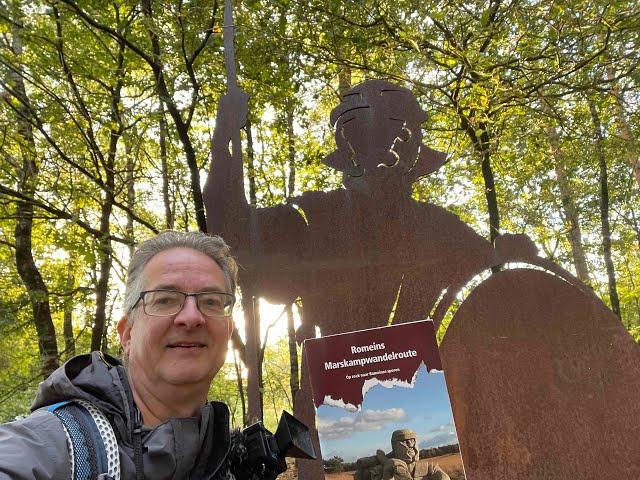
(635, 225)
(344, 80)
(166, 198)
(25, 263)
(481, 142)
(69, 339)
(254, 366)
(131, 195)
(240, 384)
(483, 148)
(291, 144)
(102, 287)
(294, 381)
(489, 185)
(182, 126)
(569, 207)
(251, 168)
(623, 125)
(604, 210)
(30, 275)
(105, 253)
(636, 295)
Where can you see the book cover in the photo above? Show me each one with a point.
(382, 406)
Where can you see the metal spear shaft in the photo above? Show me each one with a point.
(228, 34)
(252, 345)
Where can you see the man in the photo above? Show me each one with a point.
(174, 334)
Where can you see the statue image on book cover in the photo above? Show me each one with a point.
(382, 406)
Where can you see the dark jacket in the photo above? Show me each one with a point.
(179, 448)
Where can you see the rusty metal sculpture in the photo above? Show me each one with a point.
(543, 377)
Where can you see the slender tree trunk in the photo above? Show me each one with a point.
(102, 287)
(105, 253)
(481, 142)
(604, 210)
(251, 168)
(260, 353)
(630, 141)
(240, 384)
(166, 198)
(25, 263)
(291, 145)
(634, 288)
(344, 80)
(30, 275)
(635, 225)
(69, 339)
(293, 356)
(131, 195)
(342, 51)
(569, 207)
(254, 366)
(484, 149)
(293, 348)
(182, 126)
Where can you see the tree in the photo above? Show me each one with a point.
(333, 465)
(27, 180)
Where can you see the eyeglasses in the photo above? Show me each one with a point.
(164, 303)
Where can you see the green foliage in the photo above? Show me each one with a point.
(333, 465)
(440, 450)
(276, 375)
(635, 333)
(225, 389)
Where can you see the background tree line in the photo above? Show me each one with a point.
(107, 110)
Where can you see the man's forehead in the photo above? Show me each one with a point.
(179, 266)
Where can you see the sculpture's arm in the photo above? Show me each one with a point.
(227, 207)
(268, 242)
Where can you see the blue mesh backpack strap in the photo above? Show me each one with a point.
(93, 447)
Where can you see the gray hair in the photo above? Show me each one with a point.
(212, 246)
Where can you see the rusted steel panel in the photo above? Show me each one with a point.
(544, 382)
(368, 253)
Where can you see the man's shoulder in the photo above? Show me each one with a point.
(40, 423)
(34, 447)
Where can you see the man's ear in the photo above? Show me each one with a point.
(124, 331)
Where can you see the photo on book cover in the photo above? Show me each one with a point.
(382, 406)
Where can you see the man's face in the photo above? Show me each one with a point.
(182, 349)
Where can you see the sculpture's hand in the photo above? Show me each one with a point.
(232, 113)
(223, 192)
(396, 469)
(434, 472)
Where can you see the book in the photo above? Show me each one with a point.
(381, 397)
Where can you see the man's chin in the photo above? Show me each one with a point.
(186, 377)
(190, 373)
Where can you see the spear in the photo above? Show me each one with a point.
(229, 54)
(252, 345)
(228, 34)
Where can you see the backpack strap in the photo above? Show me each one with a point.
(93, 447)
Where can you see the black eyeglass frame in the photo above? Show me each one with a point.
(186, 295)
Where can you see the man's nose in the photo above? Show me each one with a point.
(190, 315)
